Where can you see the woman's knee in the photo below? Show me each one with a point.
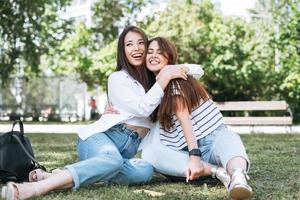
(227, 146)
(144, 171)
(110, 160)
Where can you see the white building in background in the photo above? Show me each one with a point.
(79, 11)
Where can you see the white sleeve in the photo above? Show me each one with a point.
(195, 70)
(126, 95)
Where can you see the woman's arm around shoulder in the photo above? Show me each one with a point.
(194, 70)
(128, 95)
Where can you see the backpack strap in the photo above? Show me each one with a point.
(37, 164)
(20, 125)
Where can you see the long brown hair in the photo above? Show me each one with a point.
(138, 73)
(179, 93)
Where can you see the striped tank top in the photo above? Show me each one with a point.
(205, 119)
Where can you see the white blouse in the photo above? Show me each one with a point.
(130, 99)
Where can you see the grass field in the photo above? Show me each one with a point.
(275, 171)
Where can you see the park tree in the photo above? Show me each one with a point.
(74, 56)
(239, 58)
(288, 44)
(280, 21)
(111, 16)
(90, 51)
(28, 29)
(106, 18)
(235, 61)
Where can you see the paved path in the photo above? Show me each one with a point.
(44, 128)
(72, 128)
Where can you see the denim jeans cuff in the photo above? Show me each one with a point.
(74, 175)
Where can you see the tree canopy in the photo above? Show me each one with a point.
(256, 60)
(27, 30)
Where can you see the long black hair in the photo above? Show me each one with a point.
(139, 73)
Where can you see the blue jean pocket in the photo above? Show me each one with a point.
(126, 140)
(119, 138)
(131, 147)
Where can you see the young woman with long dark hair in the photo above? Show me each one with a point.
(106, 148)
(191, 136)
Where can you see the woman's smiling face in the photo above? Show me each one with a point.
(134, 48)
(155, 58)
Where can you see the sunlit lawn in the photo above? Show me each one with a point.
(275, 171)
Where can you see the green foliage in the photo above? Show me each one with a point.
(28, 29)
(106, 17)
(78, 55)
(257, 60)
(238, 58)
(74, 56)
(110, 16)
(281, 19)
(289, 48)
(234, 60)
(91, 51)
(105, 62)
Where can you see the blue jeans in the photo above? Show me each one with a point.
(108, 157)
(217, 148)
(222, 145)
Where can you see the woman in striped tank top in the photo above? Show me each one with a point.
(191, 137)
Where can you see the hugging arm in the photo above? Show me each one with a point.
(134, 102)
(126, 94)
(193, 69)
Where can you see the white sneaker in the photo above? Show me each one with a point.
(221, 174)
(238, 187)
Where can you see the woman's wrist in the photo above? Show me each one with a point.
(164, 76)
(195, 159)
(185, 68)
(163, 80)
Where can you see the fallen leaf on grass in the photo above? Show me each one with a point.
(151, 193)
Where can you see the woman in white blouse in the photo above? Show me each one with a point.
(107, 147)
(190, 133)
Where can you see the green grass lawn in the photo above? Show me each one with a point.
(275, 171)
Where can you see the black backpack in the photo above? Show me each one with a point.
(16, 156)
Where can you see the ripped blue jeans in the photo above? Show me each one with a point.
(108, 157)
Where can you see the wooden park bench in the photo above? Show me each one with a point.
(248, 106)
